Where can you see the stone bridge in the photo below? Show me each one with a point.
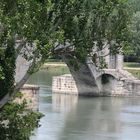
(88, 78)
(92, 81)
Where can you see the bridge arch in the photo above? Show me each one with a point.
(105, 78)
(109, 72)
(107, 83)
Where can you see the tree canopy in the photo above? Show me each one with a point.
(32, 27)
(133, 49)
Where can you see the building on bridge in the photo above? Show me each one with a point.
(111, 61)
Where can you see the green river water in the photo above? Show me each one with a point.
(68, 117)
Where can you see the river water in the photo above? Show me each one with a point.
(68, 117)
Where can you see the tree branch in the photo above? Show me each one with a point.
(20, 46)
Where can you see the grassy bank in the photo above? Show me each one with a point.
(53, 64)
(133, 68)
(136, 73)
(132, 65)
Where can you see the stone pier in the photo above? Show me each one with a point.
(64, 84)
(31, 95)
(30, 92)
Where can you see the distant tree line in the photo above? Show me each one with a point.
(133, 50)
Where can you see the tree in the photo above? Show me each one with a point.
(17, 122)
(98, 21)
(134, 40)
(7, 61)
(39, 25)
(32, 28)
(1, 71)
(132, 52)
(135, 5)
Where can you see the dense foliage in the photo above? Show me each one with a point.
(32, 28)
(7, 61)
(38, 25)
(133, 49)
(98, 21)
(17, 122)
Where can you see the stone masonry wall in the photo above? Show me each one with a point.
(114, 87)
(64, 84)
(31, 95)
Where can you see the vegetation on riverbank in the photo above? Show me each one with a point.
(17, 122)
(135, 72)
(133, 68)
(131, 64)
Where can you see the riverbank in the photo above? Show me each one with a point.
(131, 65)
(53, 64)
(131, 68)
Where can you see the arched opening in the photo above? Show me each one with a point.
(107, 83)
(106, 78)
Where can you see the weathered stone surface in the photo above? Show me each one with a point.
(22, 66)
(92, 81)
(64, 84)
(31, 95)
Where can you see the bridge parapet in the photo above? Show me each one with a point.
(96, 72)
(116, 73)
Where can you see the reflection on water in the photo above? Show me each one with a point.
(91, 120)
(70, 118)
(63, 102)
(44, 76)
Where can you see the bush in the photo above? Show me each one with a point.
(17, 122)
(7, 62)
